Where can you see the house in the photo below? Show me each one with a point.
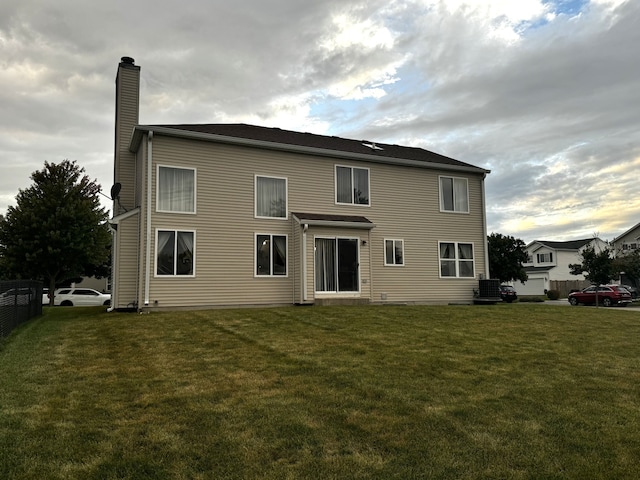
(549, 264)
(628, 242)
(239, 215)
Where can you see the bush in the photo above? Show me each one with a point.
(530, 299)
(553, 294)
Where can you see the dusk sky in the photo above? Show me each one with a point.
(545, 94)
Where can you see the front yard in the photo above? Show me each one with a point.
(473, 392)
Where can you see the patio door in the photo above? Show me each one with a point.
(337, 265)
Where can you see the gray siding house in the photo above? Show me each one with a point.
(232, 214)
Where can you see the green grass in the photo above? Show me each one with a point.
(474, 392)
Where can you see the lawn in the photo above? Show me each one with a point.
(470, 392)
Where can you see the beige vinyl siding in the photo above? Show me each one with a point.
(125, 283)
(407, 207)
(404, 204)
(127, 83)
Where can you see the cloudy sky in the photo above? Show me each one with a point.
(544, 93)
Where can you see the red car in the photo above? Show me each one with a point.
(607, 295)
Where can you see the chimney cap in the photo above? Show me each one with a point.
(127, 60)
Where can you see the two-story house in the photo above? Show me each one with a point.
(549, 262)
(230, 214)
(628, 242)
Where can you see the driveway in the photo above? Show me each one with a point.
(635, 306)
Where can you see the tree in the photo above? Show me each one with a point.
(57, 230)
(630, 265)
(597, 267)
(506, 256)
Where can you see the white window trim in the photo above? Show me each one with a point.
(155, 248)
(442, 209)
(195, 189)
(255, 255)
(255, 197)
(335, 185)
(394, 240)
(457, 260)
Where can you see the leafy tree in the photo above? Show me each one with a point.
(506, 256)
(57, 231)
(630, 265)
(597, 267)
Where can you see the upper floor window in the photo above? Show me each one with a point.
(176, 191)
(394, 252)
(352, 185)
(271, 197)
(174, 252)
(454, 194)
(545, 257)
(456, 259)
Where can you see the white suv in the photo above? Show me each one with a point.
(68, 297)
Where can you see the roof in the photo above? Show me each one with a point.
(538, 269)
(277, 138)
(626, 233)
(569, 245)
(352, 221)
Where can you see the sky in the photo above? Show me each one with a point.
(544, 93)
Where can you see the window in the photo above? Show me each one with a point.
(456, 259)
(174, 253)
(352, 185)
(394, 252)
(545, 257)
(271, 255)
(271, 197)
(176, 191)
(454, 194)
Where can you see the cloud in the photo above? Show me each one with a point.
(543, 93)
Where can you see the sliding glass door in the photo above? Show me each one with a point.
(337, 265)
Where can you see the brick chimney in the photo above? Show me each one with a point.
(127, 115)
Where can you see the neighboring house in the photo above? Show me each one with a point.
(220, 215)
(628, 242)
(549, 262)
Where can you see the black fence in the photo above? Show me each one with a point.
(20, 300)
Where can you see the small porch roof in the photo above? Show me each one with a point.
(329, 220)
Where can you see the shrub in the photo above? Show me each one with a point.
(553, 294)
(530, 299)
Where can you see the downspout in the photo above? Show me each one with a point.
(484, 224)
(305, 227)
(147, 276)
(114, 232)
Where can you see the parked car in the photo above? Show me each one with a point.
(607, 295)
(632, 290)
(508, 293)
(45, 296)
(68, 297)
(17, 296)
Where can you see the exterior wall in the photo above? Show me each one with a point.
(125, 264)
(404, 204)
(562, 271)
(127, 99)
(99, 284)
